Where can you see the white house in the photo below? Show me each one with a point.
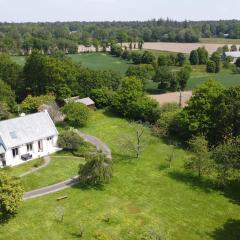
(235, 55)
(27, 137)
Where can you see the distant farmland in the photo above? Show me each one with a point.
(181, 47)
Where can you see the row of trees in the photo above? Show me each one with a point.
(19, 38)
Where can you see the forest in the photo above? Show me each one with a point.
(19, 38)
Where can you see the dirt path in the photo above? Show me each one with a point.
(71, 181)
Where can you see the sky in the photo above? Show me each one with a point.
(109, 10)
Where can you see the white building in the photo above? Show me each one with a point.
(28, 137)
(233, 55)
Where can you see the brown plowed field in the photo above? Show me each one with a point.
(181, 47)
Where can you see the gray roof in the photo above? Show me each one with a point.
(233, 54)
(18, 131)
(86, 101)
(2, 149)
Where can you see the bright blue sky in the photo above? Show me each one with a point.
(99, 10)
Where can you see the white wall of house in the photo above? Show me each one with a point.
(48, 146)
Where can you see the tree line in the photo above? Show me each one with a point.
(20, 38)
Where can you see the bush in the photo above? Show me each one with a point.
(136, 57)
(101, 97)
(31, 104)
(70, 141)
(237, 63)
(194, 58)
(77, 114)
(11, 193)
(211, 67)
(97, 170)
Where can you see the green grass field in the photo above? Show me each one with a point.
(143, 197)
(101, 61)
(98, 61)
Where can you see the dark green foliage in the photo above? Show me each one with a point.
(148, 58)
(227, 160)
(90, 79)
(183, 76)
(211, 67)
(31, 104)
(237, 63)
(11, 193)
(129, 101)
(217, 60)
(202, 55)
(126, 55)
(102, 97)
(166, 79)
(70, 141)
(136, 57)
(77, 114)
(116, 50)
(180, 59)
(225, 116)
(194, 58)
(143, 72)
(5, 112)
(97, 171)
(195, 119)
(44, 74)
(9, 71)
(233, 48)
(7, 95)
(163, 60)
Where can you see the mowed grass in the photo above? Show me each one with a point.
(101, 61)
(143, 197)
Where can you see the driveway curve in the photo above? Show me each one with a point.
(101, 146)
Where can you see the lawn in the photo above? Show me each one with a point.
(143, 197)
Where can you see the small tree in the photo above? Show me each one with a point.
(77, 114)
(97, 170)
(180, 59)
(211, 67)
(11, 193)
(194, 58)
(70, 141)
(237, 63)
(183, 76)
(134, 144)
(200, 160)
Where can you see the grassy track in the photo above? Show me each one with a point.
(143, 196)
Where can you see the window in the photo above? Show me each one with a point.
(49, 138)
(15, 152)
(29, 147)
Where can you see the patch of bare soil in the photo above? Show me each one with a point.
(174, 97)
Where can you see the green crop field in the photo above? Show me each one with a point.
(98, 61)
(101, 61)
(144, 197)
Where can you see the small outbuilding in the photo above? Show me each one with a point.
(235, 55)
(86, 101)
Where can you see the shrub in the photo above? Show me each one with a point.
(97, 170)
(77, 114)
(211, 67)
(101, 97)
(194, 58)
(70, 141)
(11, 192)
(31, 104)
